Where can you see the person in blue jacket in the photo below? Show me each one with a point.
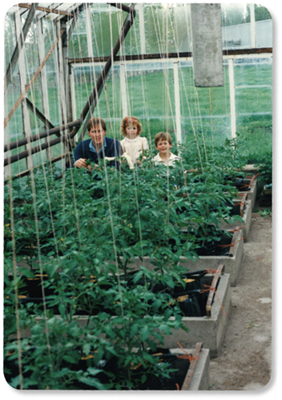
(97, 147)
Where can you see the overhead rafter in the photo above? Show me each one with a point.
(47, 9)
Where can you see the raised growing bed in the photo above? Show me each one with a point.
(232, 261)
(211, 328)
(249, 187)
(191, 369)
(208, 327)
(242, 209)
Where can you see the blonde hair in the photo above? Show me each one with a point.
(96, 121)
(162, 136)
(134, 121)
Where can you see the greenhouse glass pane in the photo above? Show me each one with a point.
(253, 86)
(253, 101)
(40, 157)
(257, 131)
(179, 21)
(205, 109)
(106, 24)
(10, 37)
(151, 93)
(109, 106)
(236, 29)
(15, 125)
(77, 45)
(53, 97)
(159, 34)
(132, 41)
(255, 71)
(263, 31)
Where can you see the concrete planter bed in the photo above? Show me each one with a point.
(245, 214)
(232, 262)
(198, 376)
(250, 189)
(191, 370)
(209, 329)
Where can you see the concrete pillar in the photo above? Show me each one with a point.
(207, 44)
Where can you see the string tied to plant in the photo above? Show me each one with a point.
(186, 356)
(231, 244)
(238, 228)
(212, 271)
(253, 177)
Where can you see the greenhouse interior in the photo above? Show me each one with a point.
(137, 196)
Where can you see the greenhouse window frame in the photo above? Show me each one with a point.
(172, 58)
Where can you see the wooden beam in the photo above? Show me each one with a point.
(32, 80)
(192, 367)
(157, 56)
(22, 80)
(19, 46)
(46, 9)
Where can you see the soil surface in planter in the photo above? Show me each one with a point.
(245, 362)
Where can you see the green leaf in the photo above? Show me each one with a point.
(92, 382)
(70, 359)
(145, 333)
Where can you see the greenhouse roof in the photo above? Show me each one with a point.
(52, 10)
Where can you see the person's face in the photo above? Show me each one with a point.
(131, 131)
(97, 134)
(163, 146)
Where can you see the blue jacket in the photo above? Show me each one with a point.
(112, 148)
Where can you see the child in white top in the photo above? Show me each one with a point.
(163, 143)
(132, 144)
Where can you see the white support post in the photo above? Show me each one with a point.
(89, 31)
(123, 90)
(72, 89)
(62, 86)
(142, 28)
(253, 25)
(23, 82)
(232, 97)
(178, 134)
(44, 86)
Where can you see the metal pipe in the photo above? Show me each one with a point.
(41, 135)
(123, 7)
(33, 150)
(28, 171)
